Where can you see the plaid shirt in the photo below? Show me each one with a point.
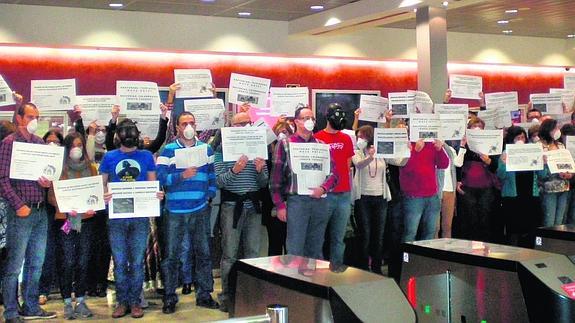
(18, 192)
(283, 181)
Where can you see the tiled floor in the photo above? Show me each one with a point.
(186, 310)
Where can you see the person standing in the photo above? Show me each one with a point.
(27, 224)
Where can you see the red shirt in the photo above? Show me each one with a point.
(342, 150)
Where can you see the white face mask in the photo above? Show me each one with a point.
(557, 135)
(281, 136)
(534, 120)
(519, 142)
(361, 143)
(32, 126)
(52, 144)
(76, 153)
(309, 124)
(100, 137)
(189, 132)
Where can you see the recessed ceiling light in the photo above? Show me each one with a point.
(116, 5)
(445, 3)
(511, 11)
(571, 36)
(503, 22)
(316, 7)
(208, 0)
(508, 31)
(244, 14)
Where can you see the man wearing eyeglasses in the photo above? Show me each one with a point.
(306, 215)
(241, 213)
(187, 194)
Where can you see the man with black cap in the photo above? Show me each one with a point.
(339, 200)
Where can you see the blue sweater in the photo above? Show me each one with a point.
(192, 194)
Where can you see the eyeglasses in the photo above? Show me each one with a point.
(307, 118)
(242, 124)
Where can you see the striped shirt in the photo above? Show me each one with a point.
(283, 181)
(248, 180)
(185, 195)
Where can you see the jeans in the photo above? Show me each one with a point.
(74, 250)
(371, 222)
(420, 214)
(307, 220)
(339, 211)
(246, 234)
(175, 227)
(554, 208)
(49, 268)
(186, 259)
(128, 239)
(25, 242)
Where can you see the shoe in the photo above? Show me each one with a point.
(42, 315)
(69, 312)
(120, 311)
(208, 303)
(137, 311)
(15, 320)
(187, 289)
(82, 310)
(160, 291)
(169, 308)
(100, 291)
(43, 299)
(224, 307)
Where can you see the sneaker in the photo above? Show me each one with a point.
(120, 311)
(137, 311)
(169, 308)
(41, 315)
(187, 289)
(82, 310)
(43, 299)
(69, 312)
(208, 303)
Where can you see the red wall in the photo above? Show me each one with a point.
(96, 70)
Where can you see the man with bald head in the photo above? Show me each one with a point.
(240, 219)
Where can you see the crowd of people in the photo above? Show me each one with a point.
(443, 189)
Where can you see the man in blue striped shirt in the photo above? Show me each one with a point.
(241, 216)
(187, 194)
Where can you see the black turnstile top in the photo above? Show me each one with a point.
(475, 253)
(309, 276)
(560, 232)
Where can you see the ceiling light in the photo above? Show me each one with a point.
(445, 3)
(316, 7)
(508, 32)
(503, 22)
(571, 36)
(511, 11)
(116, 5)
(409, 3)
(208, 0)
(244, 14)
(332, 21)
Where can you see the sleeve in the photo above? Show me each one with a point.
(165, 177)
(79, 126)
(223, 171)
(441, 158)
(360, 160)
(157, 143)
(110, 132)
(262, 178)
(331, 181)
(212, 186)
(494, 163)
(91, 147)
(150, 163)
(277, 176)
(502, 170)
(105, 165)
(6, 189)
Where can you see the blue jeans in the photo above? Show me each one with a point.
(49, 268)
(554, 208)
(307, 220)
(420, 213)
(25, 242)
(175, 227)
(246, 234)
(339, 211)
(128, 241)
(186, 259)
(74, 251)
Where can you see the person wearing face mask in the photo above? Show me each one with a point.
(553, 188)
(339, 199)
(371, 192)
(240, 182)
(478, 194)
(76, 231)
(306, 215)
(534, 115)
(128, 236)
(188, 191)
(521, 207)
(49, 268)
(27, 223)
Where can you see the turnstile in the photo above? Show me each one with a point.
(557, 239)
(451, 280)
(313, 293)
